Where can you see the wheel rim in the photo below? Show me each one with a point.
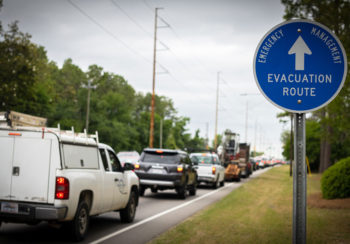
(82, 220)
(132, 207)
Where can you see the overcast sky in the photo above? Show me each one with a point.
(204, 37)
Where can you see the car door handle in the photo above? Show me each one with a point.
(116, 179)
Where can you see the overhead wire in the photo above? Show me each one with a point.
(180, 39)
(170, 27)
(166, 25)
(135, 52)
(108, 32)
(131, 18)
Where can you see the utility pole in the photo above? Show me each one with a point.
(161, 134)
(246, 122)
(216, 113)
(206, 136)
(151, 130)
(255, 138)
(89, 87)
(246, 115)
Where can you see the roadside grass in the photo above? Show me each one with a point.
(260, 211)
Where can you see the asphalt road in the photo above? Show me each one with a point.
(155, 214)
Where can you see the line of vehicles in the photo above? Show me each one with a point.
(64, 177)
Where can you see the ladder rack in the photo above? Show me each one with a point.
(63, 135)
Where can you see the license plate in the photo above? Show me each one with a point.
(157, 171)
(8, 207)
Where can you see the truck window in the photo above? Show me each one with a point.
(216, 160)
(116, 167)
(79, 156)
(104, 159)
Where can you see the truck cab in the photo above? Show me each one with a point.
(62, 177)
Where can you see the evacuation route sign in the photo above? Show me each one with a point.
(300, 66)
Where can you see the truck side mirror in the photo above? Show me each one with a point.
(128, 166)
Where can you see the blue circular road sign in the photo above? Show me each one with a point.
(300, 66)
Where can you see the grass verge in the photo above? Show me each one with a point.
(261, 212)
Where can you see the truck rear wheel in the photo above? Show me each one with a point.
(142, 191)
(127, 214)
(216, 184)
(193, 189)
(181, 192)
(80, 223)
(222, 183)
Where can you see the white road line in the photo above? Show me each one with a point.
(158, 215)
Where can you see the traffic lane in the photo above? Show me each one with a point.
(150, 205)
(100, 226)
(104, 225)
(149, 228)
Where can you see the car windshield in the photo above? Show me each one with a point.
(128, 156)
(161, 158)
(204, 159)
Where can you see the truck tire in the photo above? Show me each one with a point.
(216, 184)
(193, 189)
(80, 223)
(127, 214)
(222, 183)
(239, 177)
(181, 191)
(142, 191)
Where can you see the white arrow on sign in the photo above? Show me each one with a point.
(299, 48)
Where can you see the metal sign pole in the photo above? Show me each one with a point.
(299, 181)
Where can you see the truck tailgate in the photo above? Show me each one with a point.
(25, 165)
(204, 170)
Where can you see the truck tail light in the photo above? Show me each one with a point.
(180, 168)
(15, 134)
(62, 188)
(213, 170)
(137, 166)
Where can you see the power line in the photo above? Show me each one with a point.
(148, 6)
(166, 48)
(132, 19)
(178, 37)
(109, 32)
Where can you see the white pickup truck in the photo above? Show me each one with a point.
(209, 169)
(62, 177)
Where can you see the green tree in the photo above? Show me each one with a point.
(22, 64)
(68, 108)
(196, 143)
(218, 141)
(313, 137)
(290, 157)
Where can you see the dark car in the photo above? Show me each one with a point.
(161, 169)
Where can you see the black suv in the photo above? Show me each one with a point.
(161, 169)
